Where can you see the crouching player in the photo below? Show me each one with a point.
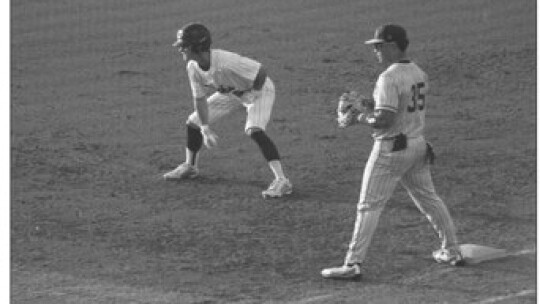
(222, 82)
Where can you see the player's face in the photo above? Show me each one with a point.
(186, 53)
(381, 51)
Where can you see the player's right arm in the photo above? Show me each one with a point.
(201, 107)
(200, 104)
(198, 92)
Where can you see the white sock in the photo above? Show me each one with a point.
(189, 157)
(275, 166)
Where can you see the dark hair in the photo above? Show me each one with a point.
(402, 44)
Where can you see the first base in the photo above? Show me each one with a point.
(474, 254)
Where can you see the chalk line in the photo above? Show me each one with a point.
(507, 297)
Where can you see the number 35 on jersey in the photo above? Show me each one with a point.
(418, 97)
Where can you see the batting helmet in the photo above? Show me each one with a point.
(194, 35)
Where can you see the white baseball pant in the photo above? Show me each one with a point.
(258, 105)
(383, 171)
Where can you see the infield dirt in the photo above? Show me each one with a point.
(98, 103)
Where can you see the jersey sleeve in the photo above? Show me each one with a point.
(195, 81)
(386, 94)
(426, 83)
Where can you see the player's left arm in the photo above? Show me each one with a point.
(201, 107)
(386, 101)
(378, 119)
(260, 78)
(250, 74)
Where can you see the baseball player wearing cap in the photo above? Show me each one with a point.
(400, 154)
(222, 82)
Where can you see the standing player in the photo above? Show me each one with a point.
(400, 154)
(222, 82)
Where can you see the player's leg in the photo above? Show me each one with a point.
(259, 109)
(419, 184)
(194, 144)
(219, 106)
(379, 181)
(268, 149)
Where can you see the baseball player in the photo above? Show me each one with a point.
(222, 82)
(400, 154)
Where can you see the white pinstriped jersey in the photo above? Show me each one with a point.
(228, 71)
(401, 89)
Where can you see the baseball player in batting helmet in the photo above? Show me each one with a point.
(400, 154)
(222, 82)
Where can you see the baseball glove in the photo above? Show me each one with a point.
(350, 105)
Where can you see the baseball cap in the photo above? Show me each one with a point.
(388, 33)
(192, 34)
(179, 41)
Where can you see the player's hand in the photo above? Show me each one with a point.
(362, 118)
(368, 104)
(209, 137)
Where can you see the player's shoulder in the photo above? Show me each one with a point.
(387, 76)
(403, 66)
(230, 59)
(402, 70)
(225, 58)
(220, 53)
